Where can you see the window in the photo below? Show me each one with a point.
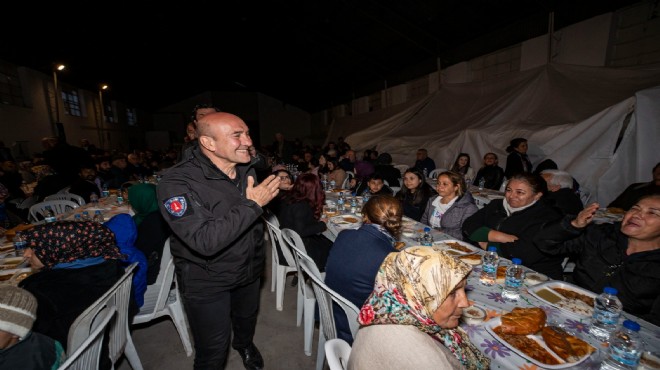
(10, 86)
(71, 102)
(131, 117)
(108, 113)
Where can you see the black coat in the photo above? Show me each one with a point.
(525, 225)
(517, 163)
(601, 260)
(493, 175)
(564, 200)
(299, 217)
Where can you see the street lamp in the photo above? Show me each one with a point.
(100, 130)
(58, 67)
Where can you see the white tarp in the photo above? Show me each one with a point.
(570, 114)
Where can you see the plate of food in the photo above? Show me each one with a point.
(347, 221)
(472, 259)
(457, 247)
(525, 331)
(567, 297)
(11, 263)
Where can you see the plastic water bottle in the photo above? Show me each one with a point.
(489, 263)
(340, 202)
(105, 192)
(515, 275)
(120, 200)
(333, 184)
(625, 348)
(353, 205)
(98, 217)
(20, 243)
(482, 183)
(85, 216)
(607, 310)
(93, 198)
(49, 215)
(77, 217)
(427, 238)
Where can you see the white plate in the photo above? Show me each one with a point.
(443, 244)
(548, 285)
(347, 221)
(495, 322)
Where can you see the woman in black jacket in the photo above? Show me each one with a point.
(414, 194)
(517, 161)
(513, 222)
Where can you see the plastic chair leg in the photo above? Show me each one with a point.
(279, 287)
(320, 355)
(132, 355)
(178, 317)
(300, 308)
(310, 305)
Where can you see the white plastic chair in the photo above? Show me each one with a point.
(88, 353)
(279, 269)
(324, 298)
(434, 174)
(395, 189)
(162, 298)
(347, 181)
(306, 297)
(337, 352)
(59, 206)
(401, 167)
(67, 196)
(585, 195)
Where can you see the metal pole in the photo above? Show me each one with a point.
(57, 100)
(102, 121)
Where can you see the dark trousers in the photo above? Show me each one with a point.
(212, 319)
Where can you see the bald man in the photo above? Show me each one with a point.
(213, 204)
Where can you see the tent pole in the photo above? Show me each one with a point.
(551, 26)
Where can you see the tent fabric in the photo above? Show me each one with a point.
(573, 115)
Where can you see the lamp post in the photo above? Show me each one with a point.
(58, 67)
(100, 129)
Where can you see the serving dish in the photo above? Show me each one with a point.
(495, 322)
(545, 292)
(457, 247)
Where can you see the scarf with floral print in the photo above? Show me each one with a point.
(67, 241)
(410, 286)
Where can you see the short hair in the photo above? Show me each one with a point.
(514, 144)
(386, 211)
(193, 116)
(561, 178)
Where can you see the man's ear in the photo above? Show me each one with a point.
(207, 143)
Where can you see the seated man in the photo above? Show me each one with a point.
(86, 184)
(623, 255)
(561, 194)
(628, 197)
(20, 348)
(424, 162)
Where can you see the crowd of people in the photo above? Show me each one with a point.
(213, 191)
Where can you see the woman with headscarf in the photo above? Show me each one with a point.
(77, 263)
(410, 320)
(152, 230)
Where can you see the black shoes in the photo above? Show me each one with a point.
(252, 359)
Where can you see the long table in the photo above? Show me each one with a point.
(490, 299)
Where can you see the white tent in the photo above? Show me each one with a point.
(574, 115)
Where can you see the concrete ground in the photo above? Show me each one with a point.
(278, 338)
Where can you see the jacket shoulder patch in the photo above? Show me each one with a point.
(176, 206)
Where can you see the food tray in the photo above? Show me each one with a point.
(10, 263)
(348, 221)
(495, 322)
(443, 244)
(534, 290)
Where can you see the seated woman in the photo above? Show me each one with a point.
(491, 172)
(513, 222)
(410, 320)
(301, 211)
(453, 204)
(286, 184)
(356, 255)
(77, 262)
(462, 165)
(336, 173)
(415, 193)
(623, 255)
(152, 230)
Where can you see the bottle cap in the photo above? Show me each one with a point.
(516, 261)
(632, 325)
(427, 229)
(609, 290)
(492, 248)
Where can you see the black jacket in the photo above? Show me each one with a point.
(601, 260)
(564, 200)
(493, 175)
(218, 236)
(525, 225)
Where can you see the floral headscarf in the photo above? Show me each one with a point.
(410, 286)
(67, 241)
(143, 200)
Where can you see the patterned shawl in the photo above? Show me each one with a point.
(68, 241)
(410, 286)
(143, 201)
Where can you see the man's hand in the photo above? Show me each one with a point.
(585, 217)
(264, 192)
(500, 237)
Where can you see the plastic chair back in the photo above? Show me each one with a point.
(434, 174)
(58, 206)
(88, 353)
(67, 196)
(162, 298)
(337, 352)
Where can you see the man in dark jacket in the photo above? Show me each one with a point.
(560, 194)
(213, 204)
